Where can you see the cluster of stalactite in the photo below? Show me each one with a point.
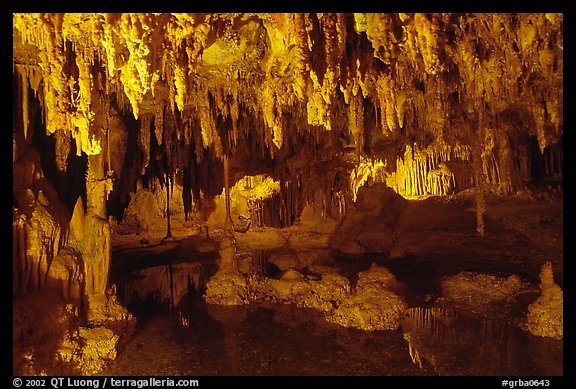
(416, 95)
(418, 70)
(439, 170)
(434, 329)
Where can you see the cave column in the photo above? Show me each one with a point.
(228, 261)
(96, 244)
(479, 181)
(228, 224)
(168, 192)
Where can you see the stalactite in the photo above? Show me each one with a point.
(159, 120)
(405, 65)
(144, 140)
(23, 90)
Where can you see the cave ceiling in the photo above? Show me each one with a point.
(273, 85)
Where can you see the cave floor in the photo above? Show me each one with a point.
(521, 234)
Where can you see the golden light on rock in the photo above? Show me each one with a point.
(400, 174)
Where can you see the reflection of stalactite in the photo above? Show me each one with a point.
(168, 284)
(439, 325)
(414, 355)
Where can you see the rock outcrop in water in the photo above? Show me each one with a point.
(374, 303)
(546, 314)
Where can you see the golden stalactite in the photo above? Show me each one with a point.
(51, 60)
(386, 34)
(391, 105)
(154, 62)
(298, 31)
(134, 70)
(144, 139)
(325, 85)
(210, 136)
(356, 119)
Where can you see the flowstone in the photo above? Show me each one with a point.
(374, 304)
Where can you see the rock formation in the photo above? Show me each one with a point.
(342, 117)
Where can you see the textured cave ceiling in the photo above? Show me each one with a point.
(264, 88)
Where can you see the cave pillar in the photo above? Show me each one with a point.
(96, 244)
(479, 181)
(168, 191)
(228, 224)
(228, 261)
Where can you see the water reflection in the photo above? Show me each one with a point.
(166, 285)
(455, 344)
(282, 339)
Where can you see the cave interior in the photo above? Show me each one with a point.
(387, 185)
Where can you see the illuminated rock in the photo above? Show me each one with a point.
(146, 211)
(373, 304)
(546, 314)
(487, 295)
(37, 239)
(326, 109)
(227, 289)
(89, 349)
(66, 273)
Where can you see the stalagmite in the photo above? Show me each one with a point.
(228, 262)
(96, 243)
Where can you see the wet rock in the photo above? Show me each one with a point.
(373, 305)
(227, 289)
(48, 335)
(292, 288)
(292, 275)
(40, 322)
(67, 274)
(105, 308)
(90, 349)
(487, 295)
(546, 315)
